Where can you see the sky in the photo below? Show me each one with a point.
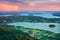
(29, 5)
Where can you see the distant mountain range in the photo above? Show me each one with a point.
(54, 13)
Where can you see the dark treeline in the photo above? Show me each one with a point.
(5, 19)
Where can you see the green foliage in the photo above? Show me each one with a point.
(10, 33)
(13, 34)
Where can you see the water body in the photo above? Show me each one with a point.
(43, 26)
(47, 15)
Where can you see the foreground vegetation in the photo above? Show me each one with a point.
(10, 32)
(7, 33)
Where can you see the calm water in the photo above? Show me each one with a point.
(47, 15)
(44, 26)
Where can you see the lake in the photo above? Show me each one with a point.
(43, 26)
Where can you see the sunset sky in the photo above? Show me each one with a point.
(29, 5)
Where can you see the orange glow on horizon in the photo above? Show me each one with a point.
(41, 7)
(8, 7)
(28, 7)
(32, 4)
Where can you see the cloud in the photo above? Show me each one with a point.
(23, 2)
(11, 1)
(36, 1)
